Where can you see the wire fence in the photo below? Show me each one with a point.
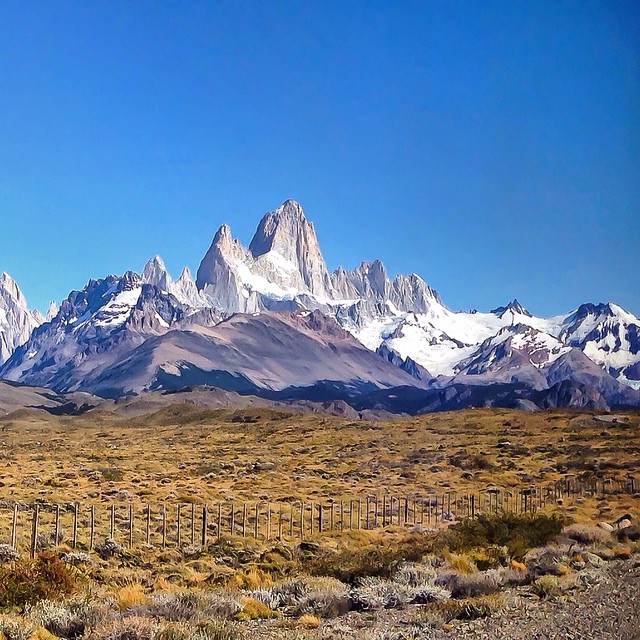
(42, 525)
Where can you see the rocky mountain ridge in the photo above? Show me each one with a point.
(401, 322)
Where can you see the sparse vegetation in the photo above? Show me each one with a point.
(438, 572)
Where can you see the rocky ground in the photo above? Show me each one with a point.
(604, 605)
(607, 607)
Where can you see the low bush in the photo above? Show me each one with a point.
(546, 561)
(586, 533)
(377, 560)
(129, 628)
(108, 548)
(440, 613)
(188, 606)
(45, 578)
(377, 593)
(470, 585)
(76, 558)
(218, 630)
(517, 532)
(548, 587)
(131, 595)
(8, 553)
(308, 621)
(56, 618)
(326, 597)
(15, 628)
(255, 610)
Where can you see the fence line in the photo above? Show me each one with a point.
(42, 525)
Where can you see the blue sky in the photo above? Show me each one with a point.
(491, 147)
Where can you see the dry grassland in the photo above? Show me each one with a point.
(184, 454)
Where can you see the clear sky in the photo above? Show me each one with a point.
(491, 147)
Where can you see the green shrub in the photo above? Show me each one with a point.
(517, 532)
(45, 578)
(379, 560)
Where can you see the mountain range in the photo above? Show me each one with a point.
(270, 320)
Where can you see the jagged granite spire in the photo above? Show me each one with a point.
(16, 320)
(287, 232)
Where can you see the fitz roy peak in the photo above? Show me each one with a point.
(271, 319)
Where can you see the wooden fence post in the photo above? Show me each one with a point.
(313, 509)
(256, 528)
(14, 526)
(74, 543)
(148, 530)
(219, 521)
(193, 523)
(179, 507)
(56, 528)
(244, 520)
(112, 522)
(92, 525)
(34, 529)
(164, 525)
(203, 537)
(131, 525)
(268, 521)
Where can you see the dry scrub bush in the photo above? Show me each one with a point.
(15, 628)
(437, 614)
(109, 548)
(130, 595)
(586, 533)
(76, 558)
(255, 610)
(546, 561)
(211, 630)
(549, 586)
(129, 628)
(374, 593)
(308, 621)
(57, 618)
(466, 585)
(8, 553)
(189, 605)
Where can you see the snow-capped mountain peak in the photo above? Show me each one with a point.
(17, 321)
(609, 335)
(514, 307)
